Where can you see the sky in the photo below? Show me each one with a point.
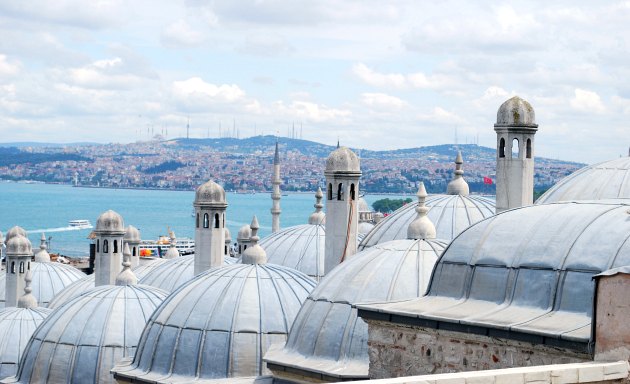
(373, 74)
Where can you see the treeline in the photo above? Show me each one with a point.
(13, 156)
(164, 167)
(389, 205)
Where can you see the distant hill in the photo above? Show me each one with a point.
(34, 144)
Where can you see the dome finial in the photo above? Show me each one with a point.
(421, 227)
(318, 216)
(27, 300)
(126, 276)
(254, 254)
(458, 186)
(172, 252)
(42, 256)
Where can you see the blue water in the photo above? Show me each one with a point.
(49, 207)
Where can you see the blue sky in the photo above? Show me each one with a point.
(378, 75)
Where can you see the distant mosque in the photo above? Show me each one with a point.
(460, 285)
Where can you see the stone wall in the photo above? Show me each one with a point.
(399, 350)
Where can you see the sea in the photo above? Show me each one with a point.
(47, 208)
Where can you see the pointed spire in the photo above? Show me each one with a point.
(421, 227)
(254, 254)
(27, 300)
(458, 186)
(276, 156)
(42, 256)
(317, 217)
(126, 276)
(337, 142)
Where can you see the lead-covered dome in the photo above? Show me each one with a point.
(19, 245)
(451, 214)
(82, 340)
(227, 317)
(14, 231)
(527, 272)
(210, 193)
(344, 160)
(607, 180)
(516, 112)
(71, 291)
(174, 272)
(132, 234)
(110, 221)
(327, 336)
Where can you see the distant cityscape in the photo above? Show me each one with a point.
(245, 165)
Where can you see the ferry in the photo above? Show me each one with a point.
(81, 224)
(157, 248)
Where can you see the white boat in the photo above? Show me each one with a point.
(184, 245)
(80, 224)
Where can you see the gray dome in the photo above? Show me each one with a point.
(19, 245)
(231, 314)
(343, 159)
(362, 205)
(174, 272)
(146, 266)
(607, 180)
(71, 291)
(49, 279)
(210, 193)
(16, 328)
(42, 255)
(244, 233)
(327, 336)
(300, 247)
(450, 214)
(527, 271)
(132, 234)
(365, 228)
(82, 340)
(228, 236)
(13, 232)
(516, 112)
(110, 221)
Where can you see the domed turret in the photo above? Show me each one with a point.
(458, 186)
(126, 276)
(318, 217)
(19, 245)
(172, 252)
(132, 237)
(132, 234)
(18, 262)
(516, 112)
(255, 254)
(13, 232)
(42, 256)
(421, 227)
(210, 194)
(210, 206)
(228, 243)
(343, 160)
(110, 221)
(243, 238)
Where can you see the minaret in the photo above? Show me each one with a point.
(255, 254)
(515, 128)
(42, 256)
(132, 237)
(18, 263)
(126, 276)
(318, 217)
(342, 173)
(210, 205)
(275, 195)
(421, 227)
(110, 230)
(27, 300)
(458, 186)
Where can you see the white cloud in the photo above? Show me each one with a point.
(440, 115)
(181, 34)
(195, 94)
(8, 68)
(383, 101)
(400, 81)
(310, 111)
(587, 101)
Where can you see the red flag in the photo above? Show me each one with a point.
(487, 180)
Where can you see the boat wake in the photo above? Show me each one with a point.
(60, 229)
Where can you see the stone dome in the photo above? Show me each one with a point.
(343, 160)
(13, 232)
(228, 236)
(174, 272)
(16, 328)
(132, 234)
(110, 221)
(210, 193)
(42, 255)
(327, 337)
(364, 228)
(450, 214)
(527, 272)
(244, 233)
(607, 180)
(516, 112)
(300, 247)
(231, 314)
(71, 291)
(146, 266)
(82, 340)
(362, 205)
(49, 279)
(19, 245)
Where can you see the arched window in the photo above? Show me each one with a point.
(529, 148)
(330, 191)
(28, 265)
(105, 246)
(515, 155)
(206, 221)
(197, 221)
(13, 267)
(97, 245)
(216, 220)
(225, 251)
(239, 249)
(340, 191)
(133, 251)
(351, 191)
(21, 267)
(223, 218)
(502, 147)
(115, 246)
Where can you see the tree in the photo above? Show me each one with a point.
(389, 205)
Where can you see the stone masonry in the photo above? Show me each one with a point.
(400, 350)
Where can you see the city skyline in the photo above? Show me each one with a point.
(374, 76)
